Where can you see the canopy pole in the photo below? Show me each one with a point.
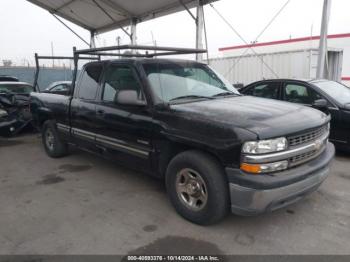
(70, 29)
(323, 49)
(36, 76)
(133, 31)
(199, 29)
(75, 60)
(92, 39)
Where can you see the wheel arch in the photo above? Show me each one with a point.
(168, 149)
(44, 114)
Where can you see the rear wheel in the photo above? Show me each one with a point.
(53, 144)
(197, 187)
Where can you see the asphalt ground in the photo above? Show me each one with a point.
(83, 204)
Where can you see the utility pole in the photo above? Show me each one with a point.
(52, 54)
(323, 49)
(118, 43)
(154, 42)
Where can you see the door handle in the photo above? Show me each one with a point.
(100, 112)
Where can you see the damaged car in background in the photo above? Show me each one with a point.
(14, 107)
(59, 88)
(5, 78)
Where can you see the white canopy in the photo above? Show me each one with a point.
(100, 16)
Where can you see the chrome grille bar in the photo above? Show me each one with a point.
(307, 137)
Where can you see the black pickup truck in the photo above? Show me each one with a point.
(179, 120)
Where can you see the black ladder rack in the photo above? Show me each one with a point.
(158, 51)
(129, 51)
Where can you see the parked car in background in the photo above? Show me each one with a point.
(4, 78)
(238, 86)
(59, 88)
(328, 96)
(178, 120)
(14, 107)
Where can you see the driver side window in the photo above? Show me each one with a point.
(119, 78)
(296, 93)
(265, 90)
(59, 88)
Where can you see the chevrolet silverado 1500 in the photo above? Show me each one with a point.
(180, 120)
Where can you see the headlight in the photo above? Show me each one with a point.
(3, 113)
(265, 146)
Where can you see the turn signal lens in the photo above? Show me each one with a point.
(264, 168)
(250, 168)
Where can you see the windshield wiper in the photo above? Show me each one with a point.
(191, 96)
(228, 93)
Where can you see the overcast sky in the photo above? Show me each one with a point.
(26, 28)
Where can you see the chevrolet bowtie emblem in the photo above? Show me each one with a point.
(318, 144)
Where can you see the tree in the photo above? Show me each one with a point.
(7, 63)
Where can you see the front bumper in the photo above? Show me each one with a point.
(254, 194)
(11, 125)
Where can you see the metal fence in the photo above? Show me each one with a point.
(46, 76)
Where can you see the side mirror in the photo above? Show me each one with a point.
(320, 103)
(129, 97)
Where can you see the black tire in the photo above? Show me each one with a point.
(217, 201)
(56, 147)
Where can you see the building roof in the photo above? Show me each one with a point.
(286, 41)
(104, 15)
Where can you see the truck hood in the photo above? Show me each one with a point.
(266, 118)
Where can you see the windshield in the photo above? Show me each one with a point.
(337, 91)
(184, 80)
(16, 88)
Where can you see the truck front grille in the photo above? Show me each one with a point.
(307, 137)
(303, 148)
(302, 158)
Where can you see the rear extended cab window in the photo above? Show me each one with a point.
(89, 81)
(118, 78)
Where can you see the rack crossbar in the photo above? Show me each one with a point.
(164, 50)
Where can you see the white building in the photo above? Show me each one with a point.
(291, 58)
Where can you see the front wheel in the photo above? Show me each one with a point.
(53, 144)
(197, 187)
